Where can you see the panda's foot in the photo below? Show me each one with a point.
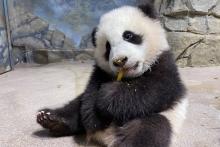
(56, 125)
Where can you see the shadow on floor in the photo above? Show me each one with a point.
(42, 134)
(78, 139)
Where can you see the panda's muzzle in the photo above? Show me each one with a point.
(120, 62)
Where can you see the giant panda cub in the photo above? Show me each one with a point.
(146, 107)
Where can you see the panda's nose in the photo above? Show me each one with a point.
(120, 62)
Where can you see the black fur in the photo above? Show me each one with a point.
(107, 52)
(155, 91)
(63, 121)
(137, 133)
(107, 45)
(132, 37)
(93, 36)
(106, 101)
(149, 9)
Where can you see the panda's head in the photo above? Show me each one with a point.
(128, 38)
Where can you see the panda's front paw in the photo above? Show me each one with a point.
(49, 120)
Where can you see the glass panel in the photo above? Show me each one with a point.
(4, 52)
(45, 31)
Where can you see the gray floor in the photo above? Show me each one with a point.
(26, 89)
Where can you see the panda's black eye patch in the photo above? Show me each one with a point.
(108, 49)
(132, 37)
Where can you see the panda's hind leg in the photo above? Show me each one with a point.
(154, 131)
(62, 121)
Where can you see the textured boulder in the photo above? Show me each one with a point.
(213, 25)
(192, 26)
(68, 44)
(59, 55)
(195, 50)
(30, 28)
(198, 25)
(33, 35)
(193, 30)
(29, 43)
(202, 6)
(216, 10)
(84, 54)
(57, 39)
(173, 7)
(207, 52)
(40, 57)
(173, 24)
(86, 41)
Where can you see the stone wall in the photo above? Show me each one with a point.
(193, 30)
(33, 40)
(32, 36)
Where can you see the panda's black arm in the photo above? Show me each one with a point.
(77, 115)
(122, 102)
(64, 120)
(149, 94)
(82, 109)
(89, 117)
(80, 112)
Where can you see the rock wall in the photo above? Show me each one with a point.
(193, 30)
(4, 53)
(31, 34)
(33, 40)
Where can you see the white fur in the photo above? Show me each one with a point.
(111, 27)
(176, 117)
(106, 136)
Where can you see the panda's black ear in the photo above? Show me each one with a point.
(94, 36)
(149, 9)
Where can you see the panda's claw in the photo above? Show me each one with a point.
(45, 119)
(48, 113)
(49, 120)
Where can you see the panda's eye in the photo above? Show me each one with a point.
(132, 37)
(128, 35)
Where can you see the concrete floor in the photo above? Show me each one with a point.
(29, 88)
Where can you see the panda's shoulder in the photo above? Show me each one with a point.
(164, 64)
(99, 76)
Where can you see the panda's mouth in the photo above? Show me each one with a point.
(130, 67)
(128, 71)
(133, 67)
